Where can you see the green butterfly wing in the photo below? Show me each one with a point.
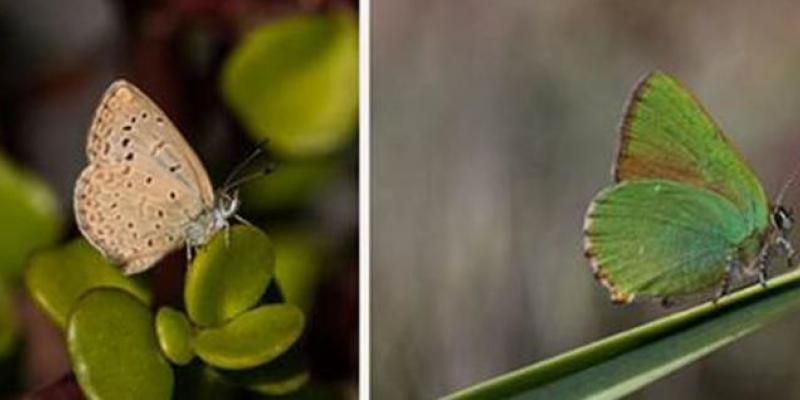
(686, 201)
(661, 238)
(667, 134)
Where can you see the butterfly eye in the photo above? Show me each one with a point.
(788, 220)
(782, 218)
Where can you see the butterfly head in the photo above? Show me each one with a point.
(227, 205)
(212, 220)
(782, 218)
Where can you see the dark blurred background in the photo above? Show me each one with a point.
(57, 58)
(493, 126)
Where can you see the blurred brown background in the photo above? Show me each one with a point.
(495, 123)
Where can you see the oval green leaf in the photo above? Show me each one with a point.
(30, 215)
(286, 386)
(174, 335)
(56, 278)
(292, 184)
(252, 338)
(281, 376)
(298, 266)
(9, 328)
(114, 350)
(295, 82)
(228, 276)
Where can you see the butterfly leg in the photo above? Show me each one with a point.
(227, 228)
(667, 302)
(189, 253)
(242, 220)
(788, 250)
(763, 265)
(730, 269)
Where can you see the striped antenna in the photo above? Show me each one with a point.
(789, 182)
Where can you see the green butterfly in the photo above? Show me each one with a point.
(686, 211)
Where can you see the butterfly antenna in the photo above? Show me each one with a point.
(248, 178)
(788, 184)
(242, 165)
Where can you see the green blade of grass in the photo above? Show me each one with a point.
(623, 363)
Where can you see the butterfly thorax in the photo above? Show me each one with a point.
(756, 249)
(212, 220)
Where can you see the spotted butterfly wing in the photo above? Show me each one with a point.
(143, 184)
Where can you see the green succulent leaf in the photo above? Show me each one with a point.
(619, 365)
(57, 277)
(113, 347)
(283, 375)
(298, 266)
(229, 275)
(252, 338)
(295, 82)
(292, 184)
(29, 215)
(288, 385)
(174, 335)
(9, 329)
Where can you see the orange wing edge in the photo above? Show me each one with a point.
(630, 112)
(599, 272)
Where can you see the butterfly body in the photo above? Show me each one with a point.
(686, 211)
(145, 192)
(200, 228)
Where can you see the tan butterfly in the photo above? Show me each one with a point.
(145, 192)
